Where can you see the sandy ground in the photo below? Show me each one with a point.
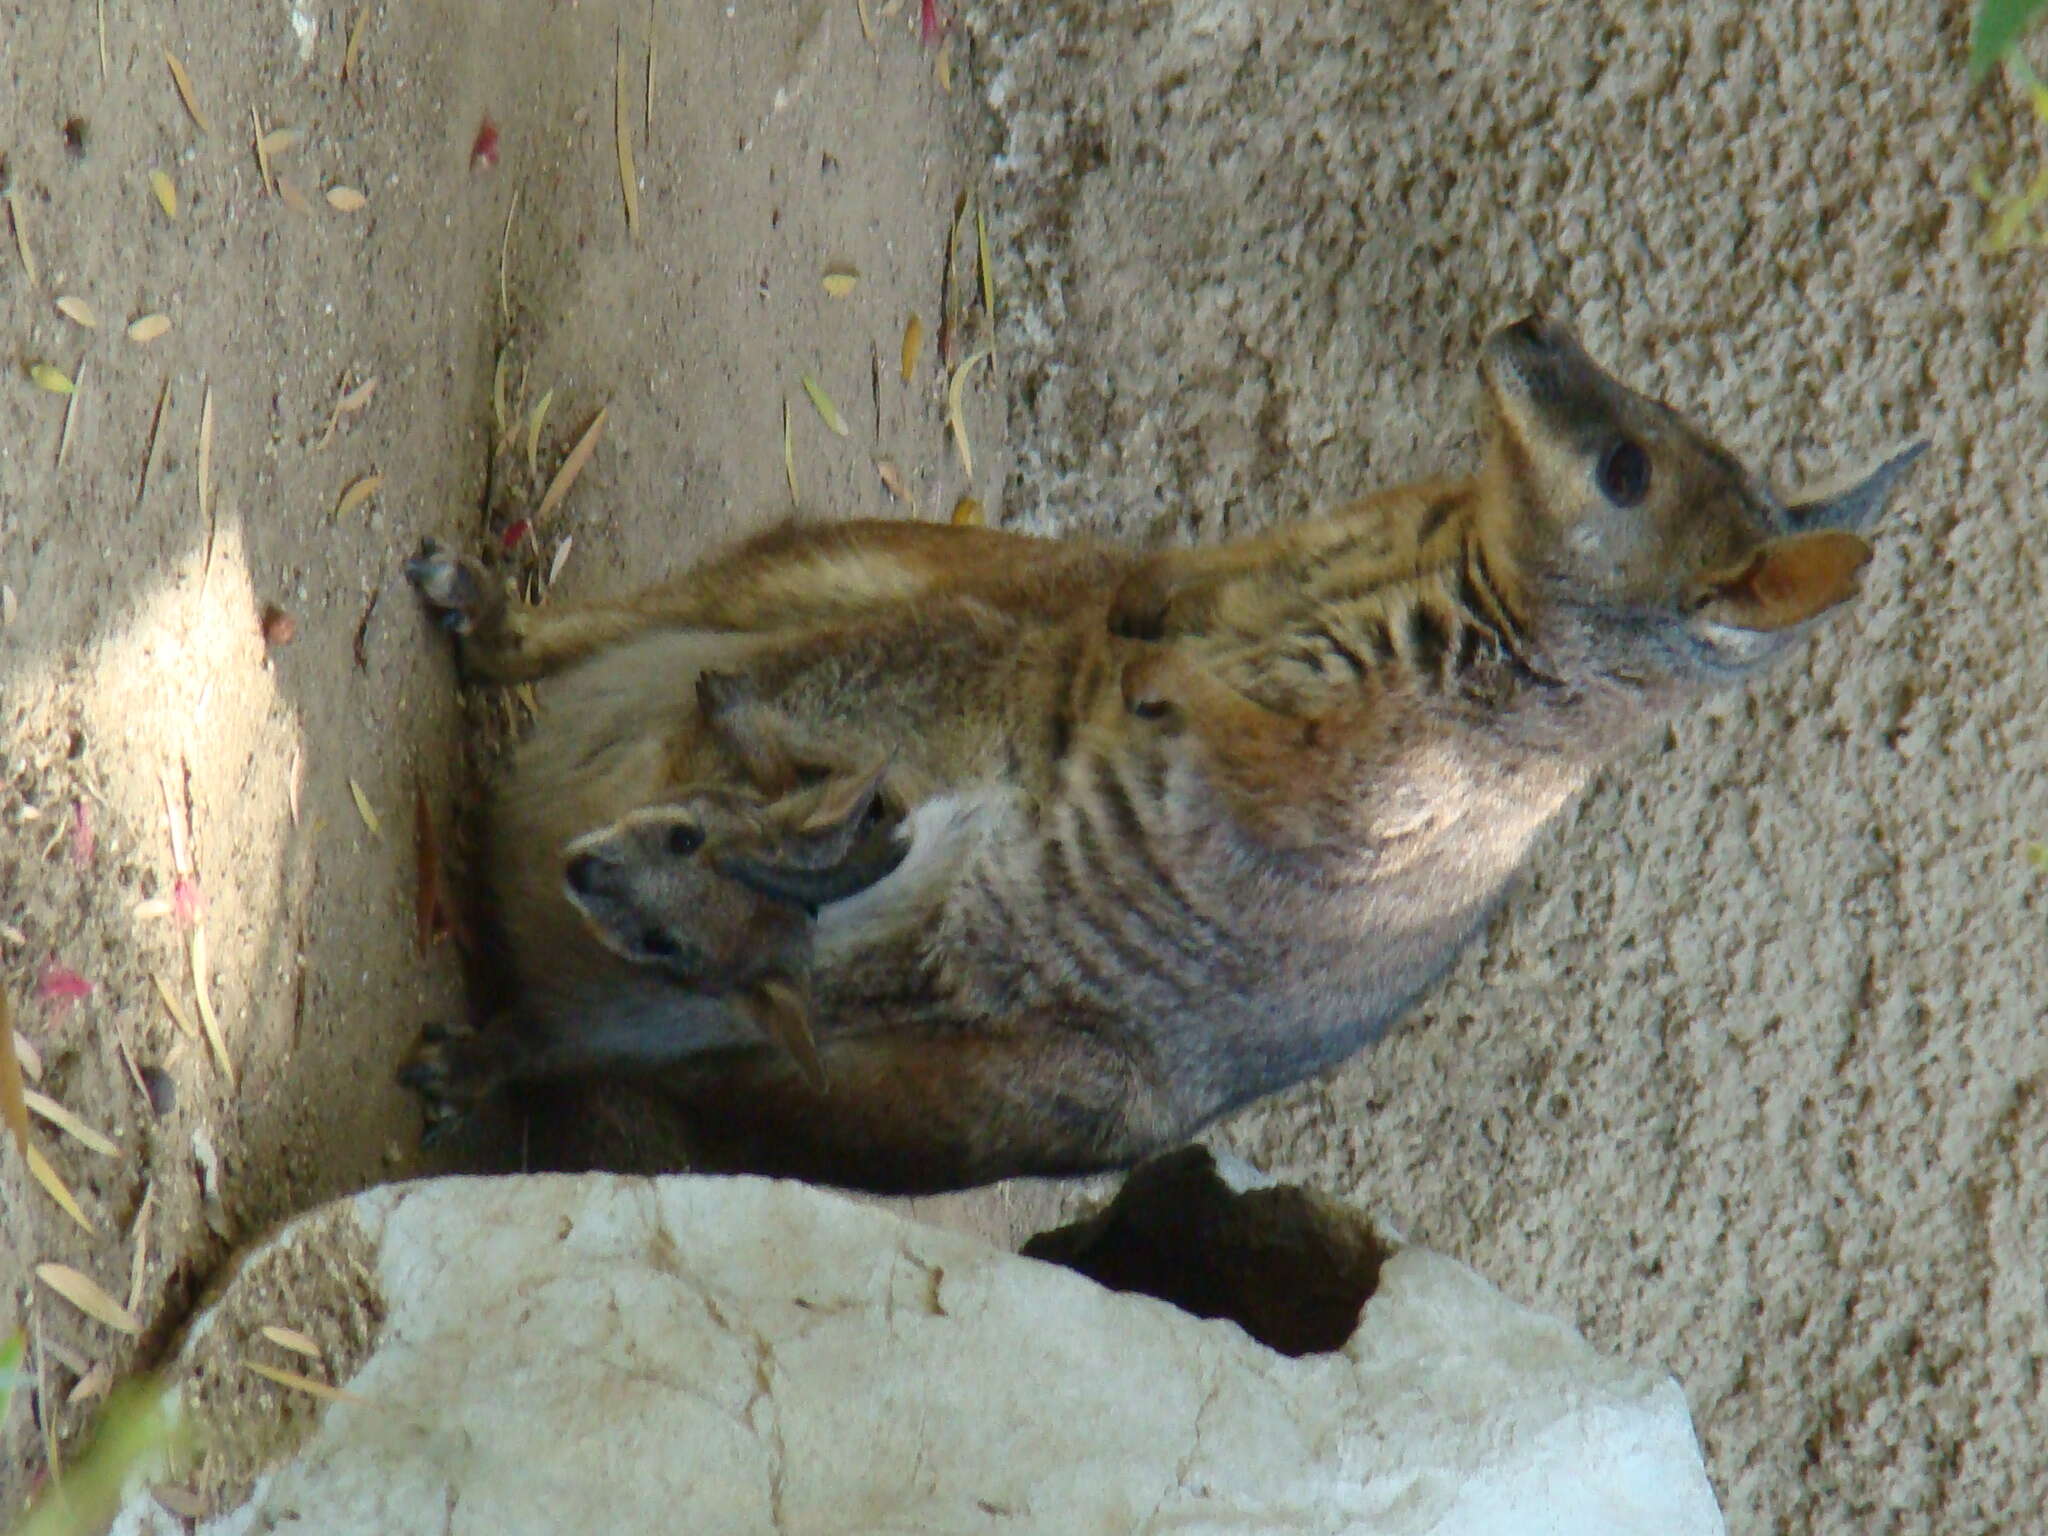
(1746, 1080)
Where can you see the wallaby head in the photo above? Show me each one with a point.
(1687, 566)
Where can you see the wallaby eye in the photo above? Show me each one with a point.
(658, 944)
(1624, 472)
(684, 840)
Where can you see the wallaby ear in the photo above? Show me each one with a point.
(782, 1012)
(1860, 505)
(838, 806)
(1787, 582)
(799, 877)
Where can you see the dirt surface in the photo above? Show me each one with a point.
(779, 142)
(1745, 1081)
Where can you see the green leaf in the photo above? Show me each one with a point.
(2037, 855)
(11, 1373)
(1997, 27)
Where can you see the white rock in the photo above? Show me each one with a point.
(604, 1354)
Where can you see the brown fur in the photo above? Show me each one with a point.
(1184, 828)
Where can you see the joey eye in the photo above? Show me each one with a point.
(1624, 472)
(684, 840)
(658, 944)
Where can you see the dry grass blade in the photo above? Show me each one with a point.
(65, 1121)
(355, 43)
(291, 1339)
(39, 1168)
(206, 466)
(867, 25)
(148, 328)
(505, 267)
(78, 312)
(624, 134)
(94, 1383)
(351, 402)
(165, 191)
(138, 1265)
(47, 376)
(185, 94)
(358, 492)
(13, 1108)
(913, 343)
(533, 426)
(208, 1020)
(171, 1006)
(363, 809)
(101, 7)
(70, 416)
(499, 410)
(84, 1293)
(988, 275)
(827, 411)
(21, 246)
(262, 153)
(561, 559)
(156, 422)
(840, 281)
(955, 413)
(305, 1384)
(289, 194)
(788, 454)
(572, 466)
(346, 200)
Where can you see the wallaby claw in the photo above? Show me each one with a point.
(455, 588)
(451, 1069)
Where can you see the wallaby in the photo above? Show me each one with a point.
(679, 888)
(1182, 828)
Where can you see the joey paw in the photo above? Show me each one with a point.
(457, 590)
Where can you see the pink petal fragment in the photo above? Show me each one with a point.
(931, 26)
(188, 902)
(61, 985)
(82, 841)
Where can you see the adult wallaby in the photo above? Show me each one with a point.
(1182, 828)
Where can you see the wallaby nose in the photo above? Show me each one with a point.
(581, 873)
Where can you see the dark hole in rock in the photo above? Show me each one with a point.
(1291, 1267)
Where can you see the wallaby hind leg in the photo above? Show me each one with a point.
(502, 641)
(916, 1111)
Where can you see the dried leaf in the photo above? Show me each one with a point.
(166, 192)
(156, 421)
(624, 134)
(353, 401)
(430, 907)
(363, 809)
(278, 140)
(138, 1263)
(505, 261)
(208, 1020)
(840, 281)
(967, 513)
(50, 377)
(49, 1109)
(84, 1293)
(94, 1383)
(291, 1339)
(499, 410)
(943, 68)
(148, 328)
(305, 1384)
(358, 492)
(788, 454)
(289, 194)
(867, 26)
(171, 1006)
(10, 607)
(913, 343)
(826, 409)
(892, 478)
(955, 415)
(276, 626)
(533, 426)
(262, 154)
(184, 84)
(572, 466)
(70, 416)
(346, 200)
(39, 1168)
(13, 1106)
(78, 312)
(31, 1060)
(561, 559)
(355, 42)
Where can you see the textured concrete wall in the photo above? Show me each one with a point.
(1747, 1077)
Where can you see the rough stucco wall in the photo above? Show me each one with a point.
(1747, 1080)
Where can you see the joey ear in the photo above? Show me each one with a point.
(1787, 582)
(1860, 505)
(841, 803)
(782, 1012)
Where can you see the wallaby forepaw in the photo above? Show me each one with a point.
(456, 588)
(452, 1070)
